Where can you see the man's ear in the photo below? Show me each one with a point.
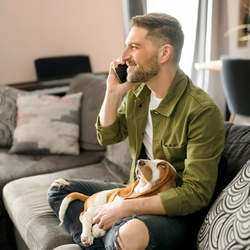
(165, 53)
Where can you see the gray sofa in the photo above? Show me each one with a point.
(16, 166)
(36, 226)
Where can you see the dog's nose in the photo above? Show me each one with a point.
(140, 163)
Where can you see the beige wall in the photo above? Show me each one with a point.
(41, 28)
(33, 29)
(233, 20)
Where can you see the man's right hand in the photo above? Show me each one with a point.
(114, 92)
(113, 83)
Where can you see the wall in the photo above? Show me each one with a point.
(41, 28)
(233, 20)
(33, 29)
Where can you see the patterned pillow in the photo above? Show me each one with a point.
(227, 225)
(47, 125)
(8, 114)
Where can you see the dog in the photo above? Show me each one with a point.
(153, 176)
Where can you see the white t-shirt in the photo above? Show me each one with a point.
(148, 135)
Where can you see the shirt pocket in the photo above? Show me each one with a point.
(175, 153)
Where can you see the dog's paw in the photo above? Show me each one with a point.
(87, 240)
(97, 232)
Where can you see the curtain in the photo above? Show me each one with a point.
(219, 46)
(210, 46)
(198, 77)
(132, 8)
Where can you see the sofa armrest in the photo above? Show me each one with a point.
(68, 247)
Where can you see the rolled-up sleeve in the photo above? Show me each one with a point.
(114, 133)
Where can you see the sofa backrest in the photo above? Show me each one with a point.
(236, 153)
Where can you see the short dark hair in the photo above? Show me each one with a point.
(162, 29)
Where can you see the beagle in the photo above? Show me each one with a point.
(153, 176)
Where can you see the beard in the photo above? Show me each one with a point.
(146, 71)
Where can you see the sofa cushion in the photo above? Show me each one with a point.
(47, 125)
(15, 166)
(25, 201)
(8, 114)
(95, 86)
(226, 225)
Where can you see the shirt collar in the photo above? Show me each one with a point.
(176, 90)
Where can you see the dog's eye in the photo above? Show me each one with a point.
(162, 165)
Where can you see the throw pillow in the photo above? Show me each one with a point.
(118, 160)
(227, 225)
(47, 125)
(8, 114)
(94, 86)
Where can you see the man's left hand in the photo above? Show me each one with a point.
(108, 214)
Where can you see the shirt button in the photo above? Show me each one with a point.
(156, 142)
(156, 113)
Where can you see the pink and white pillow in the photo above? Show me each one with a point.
(47, 124)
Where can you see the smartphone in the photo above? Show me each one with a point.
(121, 72)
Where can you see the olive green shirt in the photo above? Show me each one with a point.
(188, 132)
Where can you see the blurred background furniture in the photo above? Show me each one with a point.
(211, 65)
(235, 79)
(54, 74)
(61, 67)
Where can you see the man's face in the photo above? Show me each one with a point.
(141, 56)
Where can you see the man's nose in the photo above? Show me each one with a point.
(125, 56)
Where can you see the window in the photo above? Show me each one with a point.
(186, 12)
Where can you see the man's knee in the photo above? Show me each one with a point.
(60, 182)
(133, 235)
(56, 191)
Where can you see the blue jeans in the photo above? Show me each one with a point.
(165, 232)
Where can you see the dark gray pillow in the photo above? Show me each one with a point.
(226, 225)
(235, 154)
(8, 114)
(236, 150)
(93, 88)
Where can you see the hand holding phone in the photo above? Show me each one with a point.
(121, 72)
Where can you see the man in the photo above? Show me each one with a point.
(165, 117)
